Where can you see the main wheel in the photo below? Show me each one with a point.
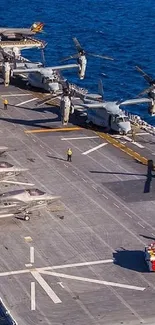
(26, 217)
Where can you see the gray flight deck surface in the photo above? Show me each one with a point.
(88, 267)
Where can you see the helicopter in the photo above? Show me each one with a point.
(102, 113)
(150, 91)
(109, 114)
(41, 77)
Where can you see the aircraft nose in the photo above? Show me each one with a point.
(125, 127)
(53, 86)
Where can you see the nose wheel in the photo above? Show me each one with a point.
(26, 217)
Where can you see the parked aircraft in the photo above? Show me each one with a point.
(20, 33)
(103, 113)
(7, 170)
(109, 114)
(24, 202)
(47, 78)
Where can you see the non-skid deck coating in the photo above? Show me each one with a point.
(88, 265)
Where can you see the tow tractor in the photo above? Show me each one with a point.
(149, 256)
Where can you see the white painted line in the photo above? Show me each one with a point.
(153, 234)
(28, 265)
(46, 287)
(128, 215)
(61, 285)
(14, 272)
(33, 298)
(27, 101)
(6, 215)
(66, 165)
(141, 225)
(79, 278)
(105, 196)
(134, 142)
(34, 140)
(138, 145)
(14, 182)
(41, 146)
(116, 136)
(142, 133)
(80, 138)
(80, 264)
(84, 180)
(49, 152)
(74, 172)
(94, 187)
(31, 254)
(93, 149)
(116, 205)
(127, 138)
(40, 269)
(14, 95)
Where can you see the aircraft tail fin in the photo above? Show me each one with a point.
(100, 88)
(37, 27)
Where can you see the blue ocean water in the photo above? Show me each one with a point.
(121, 29)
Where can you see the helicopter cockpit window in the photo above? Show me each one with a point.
(119, 119)
(5, 164)
(34, 192)
(49, 80)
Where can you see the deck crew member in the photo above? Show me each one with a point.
(133, 135)
(69, 154)
(5, 102)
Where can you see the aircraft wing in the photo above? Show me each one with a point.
(136, 101)
(65, 67)
(13, 32)
(41, 70)
(91, 106)
(17, 71)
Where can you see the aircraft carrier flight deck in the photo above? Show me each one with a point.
(82, 263)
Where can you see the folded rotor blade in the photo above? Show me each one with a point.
(77, 44)
(135, 101)
(101, 56)
(145, 91)
(145, 75)
(74, 56)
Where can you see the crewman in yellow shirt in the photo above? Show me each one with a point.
(5, 102)
(69, 154)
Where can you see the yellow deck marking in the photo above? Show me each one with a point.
(28, 239)
(53, 130)
(123, 147)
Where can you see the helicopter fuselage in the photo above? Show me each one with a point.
(109, 116)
